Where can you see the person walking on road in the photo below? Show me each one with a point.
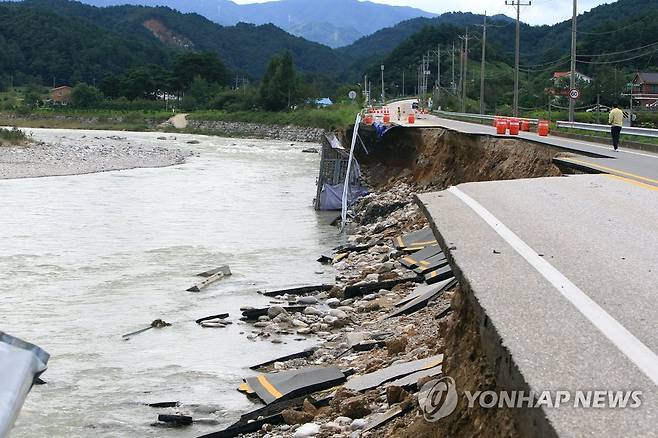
(399, 113)
(616, 119)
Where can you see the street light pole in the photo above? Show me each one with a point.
(572, 82)
(517, 55)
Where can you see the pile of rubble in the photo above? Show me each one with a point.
(379, 329)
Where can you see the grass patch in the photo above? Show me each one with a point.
(100, 119)
(13, 137)
(337, 117)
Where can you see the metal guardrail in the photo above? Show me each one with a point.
(642, 132)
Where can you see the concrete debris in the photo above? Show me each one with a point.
(224, 269)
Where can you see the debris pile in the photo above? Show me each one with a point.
(379, 328)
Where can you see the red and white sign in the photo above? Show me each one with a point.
(574, 94)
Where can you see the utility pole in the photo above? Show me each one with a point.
(517, 57)
(383, 93)
(365, 89)
(572, 82)
(403, 88)
(438, 67)
(464, 70)
(453, 69)
(483, 62)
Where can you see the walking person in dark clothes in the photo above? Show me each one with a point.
(616, 120)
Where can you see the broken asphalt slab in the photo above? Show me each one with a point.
(416, 239)
(294, 383)
(393, 372)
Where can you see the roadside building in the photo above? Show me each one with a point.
(61, 95)
(645, 89)
(561, 81)
(559, 75)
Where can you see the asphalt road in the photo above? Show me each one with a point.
(566, 270)
(641, 167)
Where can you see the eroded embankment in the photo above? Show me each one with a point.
(431, 160)
(438, 158)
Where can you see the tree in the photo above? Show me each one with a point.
(31, 96)
(207, 66)
(86, 96)
(279, 87)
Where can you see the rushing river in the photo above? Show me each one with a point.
(85, 259)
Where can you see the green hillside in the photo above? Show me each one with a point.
(36, 43)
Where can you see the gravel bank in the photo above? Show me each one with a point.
(65, 152)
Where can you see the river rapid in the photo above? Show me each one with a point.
(87, 258)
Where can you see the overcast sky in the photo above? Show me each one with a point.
(541, 11)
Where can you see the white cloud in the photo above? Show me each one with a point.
(541, 11)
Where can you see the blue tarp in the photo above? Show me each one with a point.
(325, 101)
(331, 197)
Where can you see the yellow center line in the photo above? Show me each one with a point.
(268, 387)
(637, 183)
(611, 169)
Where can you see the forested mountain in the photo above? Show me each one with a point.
(385, 40)
(36, 43)
(73, 41)
(606, 28)
(245, 48)
(334, 23)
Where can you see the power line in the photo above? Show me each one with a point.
(618, 60)
(620, 52)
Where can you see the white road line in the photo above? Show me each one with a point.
(638, 353)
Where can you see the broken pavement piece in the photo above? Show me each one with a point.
(363, 289)
(224, 269)
(378, 420)
(301, 290)
(393, 372)
(421, 296)
(170, 404)
(440, 274)
(205, 283)
(412, 379)
(176, 420)
(306, 353)
(431, 264)
(416, 240)
(412, 260)
(294, 383)
(207, 318)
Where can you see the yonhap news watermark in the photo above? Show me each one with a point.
(438, 398)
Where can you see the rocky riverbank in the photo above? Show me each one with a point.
(256, 130)
(338, 321)
(62, 154)
(356, 331)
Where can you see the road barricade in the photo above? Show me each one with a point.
(387, 118)
(514, 126)
(525, 125)
(501, 126)
(543, 128)
(412, 119)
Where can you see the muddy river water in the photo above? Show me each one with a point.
(85, 259)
